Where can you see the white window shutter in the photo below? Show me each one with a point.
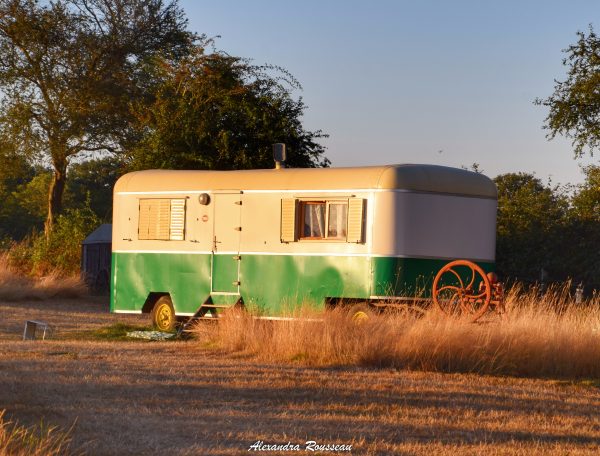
(177, 227)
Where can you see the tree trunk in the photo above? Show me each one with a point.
(55, 194)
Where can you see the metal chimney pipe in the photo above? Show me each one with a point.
(279, 155)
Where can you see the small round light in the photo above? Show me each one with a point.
(204, 199)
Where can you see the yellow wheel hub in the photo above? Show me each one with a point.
(164, 317)
(360, 317)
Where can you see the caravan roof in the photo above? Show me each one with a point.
(425, 178)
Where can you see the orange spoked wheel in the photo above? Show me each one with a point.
(462, 288)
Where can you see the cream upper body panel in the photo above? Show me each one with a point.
(410, 210)
(423, 178)
(425, 225)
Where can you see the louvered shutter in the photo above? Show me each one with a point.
(288, 220)
(160, 219)
(154, 219)
(177, 226)
(356, 219)
(144, 219)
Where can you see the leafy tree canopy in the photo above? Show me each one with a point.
(95, 178)
(586, 201)
(69, 69)
(530, 218)
(215, 111)
(574, 107)
(16, 169)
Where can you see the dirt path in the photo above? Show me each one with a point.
(179, 398)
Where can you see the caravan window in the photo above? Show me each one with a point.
(337, 220)
(334, 220)
(314, 220)
(162, 219)
(323, 219)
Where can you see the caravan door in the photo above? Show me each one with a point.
(227, 219)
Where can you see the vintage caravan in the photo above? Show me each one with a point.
(193, 242)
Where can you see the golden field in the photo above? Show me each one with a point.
(527, 383)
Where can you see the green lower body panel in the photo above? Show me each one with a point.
(135, 275)
(268, 284)
(275, 284)
(225, 273)
(408, 277)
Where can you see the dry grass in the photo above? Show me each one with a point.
(17, 287)
(17, 440)
(183, 399)
(544, 336)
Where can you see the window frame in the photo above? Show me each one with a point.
(303, 203)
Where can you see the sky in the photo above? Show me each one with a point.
(441, 82)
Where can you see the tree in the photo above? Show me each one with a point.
(69, 69)
(16, 169)
(582, 256)
(16, 173)
(531, 217)
(574, 107)
(586, 201)
(94, 179)
(215, 111)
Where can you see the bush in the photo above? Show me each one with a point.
(60, 252)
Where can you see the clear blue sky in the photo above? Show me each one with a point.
(400, 81)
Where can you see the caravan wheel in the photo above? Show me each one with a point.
(163, 314)
(360, 313)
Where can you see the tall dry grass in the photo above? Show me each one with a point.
(17, 440)
(18, 287)
(538, 336)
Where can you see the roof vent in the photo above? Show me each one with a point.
(279, 155)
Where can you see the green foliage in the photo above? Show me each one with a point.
(95, 178)
(574, 107)
(96, 78)
(25, 207)
(79, 77)
(70, 68)
(215, 111)
(542, 227)
(32, 196)
(60, 252)
(530, 221)
(15, 221)
(586, 201)
(16, 169)
(25, 197)
(582, 237)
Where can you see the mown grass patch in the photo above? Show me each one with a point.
(114, 332)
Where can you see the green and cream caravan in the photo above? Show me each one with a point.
(187, 243)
